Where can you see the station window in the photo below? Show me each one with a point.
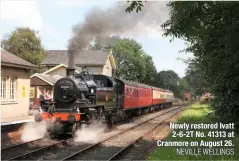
(3, 88)
(8, 89)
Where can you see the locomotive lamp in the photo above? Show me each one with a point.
(78, 110)
(71, 119)
(92, 90)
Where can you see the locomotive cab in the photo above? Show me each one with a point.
(106, 91)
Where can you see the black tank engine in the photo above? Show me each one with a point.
(78, 98)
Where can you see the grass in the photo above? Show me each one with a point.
(196, 114)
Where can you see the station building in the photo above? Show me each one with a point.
(15, 86)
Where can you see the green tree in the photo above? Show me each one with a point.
(150, 70)
(183, 84)
(195, 78)
(135, 5)
(212, 30)
(170, 80)
(24, 43)
(129, 57)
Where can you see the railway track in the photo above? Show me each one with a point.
(17, 150)
(111, 148)
(108, 148)
(17, 145)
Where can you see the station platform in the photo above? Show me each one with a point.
(16, 120)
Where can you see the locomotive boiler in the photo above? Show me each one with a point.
(70, 101)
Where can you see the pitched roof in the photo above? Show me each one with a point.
(56, 67)
(10, 59)
(82, 58)
(50, 79)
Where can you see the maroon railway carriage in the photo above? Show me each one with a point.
(134, 95)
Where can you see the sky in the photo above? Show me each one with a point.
(54, 20)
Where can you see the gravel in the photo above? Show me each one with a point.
(25, 148)
(148, 142)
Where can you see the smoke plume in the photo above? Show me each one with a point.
(115, 21)
(90, 134)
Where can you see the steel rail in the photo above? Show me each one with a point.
(70, 157)
(20, 144)
(23, 156)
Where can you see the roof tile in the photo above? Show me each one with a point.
(85, 57)
(9, 58)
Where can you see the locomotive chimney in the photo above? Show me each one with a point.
(70, 71)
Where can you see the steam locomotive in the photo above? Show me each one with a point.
(83, 98)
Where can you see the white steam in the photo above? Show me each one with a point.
(34, 130)
(90, 134)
